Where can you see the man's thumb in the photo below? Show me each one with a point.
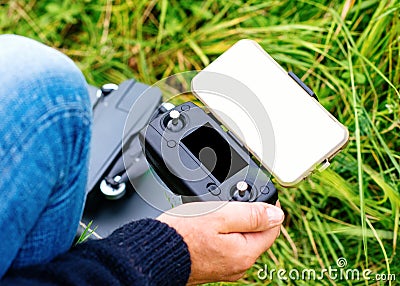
(249, 217)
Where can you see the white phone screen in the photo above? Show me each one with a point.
(254, 97)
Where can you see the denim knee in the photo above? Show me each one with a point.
(26, 64)
(45, 117)
(34, 77)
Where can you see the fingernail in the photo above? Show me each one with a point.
(275, 215)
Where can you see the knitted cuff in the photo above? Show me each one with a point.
(155, 250)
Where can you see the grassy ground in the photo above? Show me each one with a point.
(347, 51)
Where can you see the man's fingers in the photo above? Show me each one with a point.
(259, 242)
(231, 217)
(249, 217)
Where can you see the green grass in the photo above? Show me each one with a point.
(347, 52)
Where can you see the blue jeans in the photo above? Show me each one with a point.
(45, 119)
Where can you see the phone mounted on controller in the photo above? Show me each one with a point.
(192, 155)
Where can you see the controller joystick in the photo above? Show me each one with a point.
(242, 192)
(174, 121)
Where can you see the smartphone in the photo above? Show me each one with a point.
(271, 114)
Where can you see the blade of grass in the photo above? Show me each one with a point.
(359, 159)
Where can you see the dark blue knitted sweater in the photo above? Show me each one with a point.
(144, 252)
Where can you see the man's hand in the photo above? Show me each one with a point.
(224, 239)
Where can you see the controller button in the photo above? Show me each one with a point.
(185, 107)
(213, 189)
(108, 88)
(265, 190)
(171, 143)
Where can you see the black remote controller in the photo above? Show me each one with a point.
(198, 160)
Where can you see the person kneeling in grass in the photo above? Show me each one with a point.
(45, 124)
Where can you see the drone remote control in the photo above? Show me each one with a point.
(198, 160)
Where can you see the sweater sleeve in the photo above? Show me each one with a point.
(144, 252)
